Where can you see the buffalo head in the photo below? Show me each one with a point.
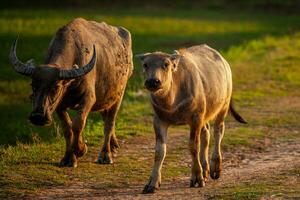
(48, 84)
(158, 68)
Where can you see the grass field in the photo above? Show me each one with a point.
(264, 53)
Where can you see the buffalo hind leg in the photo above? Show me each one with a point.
(216, 159)
(114, 145)
(205, 136)
(110, 141)
(160, 129)
(194, 146)
(69, 159)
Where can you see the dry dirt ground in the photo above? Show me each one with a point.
(240, 165)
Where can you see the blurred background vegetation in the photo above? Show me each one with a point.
(280, 5)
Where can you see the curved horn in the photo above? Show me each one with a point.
(74, 73)
(25, 69)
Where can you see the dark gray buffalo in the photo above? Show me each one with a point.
(192, 86)
(86, 69)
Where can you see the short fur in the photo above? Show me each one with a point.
(101, 89)
(196, 87)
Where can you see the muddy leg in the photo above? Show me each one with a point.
(216, 159)
(194, 145)
(205, 136)
(69, 159)
(160, 129)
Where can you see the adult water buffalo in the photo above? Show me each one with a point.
(191, 86)
(86, 69)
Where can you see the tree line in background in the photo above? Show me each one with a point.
(278, 5)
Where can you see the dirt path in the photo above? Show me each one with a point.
(240, 165)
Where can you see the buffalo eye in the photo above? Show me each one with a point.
(145, 66)
(166, 65)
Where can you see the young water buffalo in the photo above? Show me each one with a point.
(86, 69)
(192, 86)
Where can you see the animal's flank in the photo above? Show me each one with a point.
(235, 114)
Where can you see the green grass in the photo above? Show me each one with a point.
(263, 50)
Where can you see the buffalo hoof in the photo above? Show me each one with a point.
(215, 168)
(215, 175)
(81, 150)
(197, 183)
(149, 189)
(114, 154)
(205, 175)
(105, 158)
(68, 161)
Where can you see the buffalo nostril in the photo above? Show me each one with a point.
(152, 83)
(156, 81)
(39, 119)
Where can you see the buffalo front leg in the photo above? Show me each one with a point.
(110, 141)
(205, 136)
(194, 146)
(160, 129)
(69, 159)
(79, 147)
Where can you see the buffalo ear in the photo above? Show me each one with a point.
(31, 62)
(142, 56)
(175, 58)
(75, 66)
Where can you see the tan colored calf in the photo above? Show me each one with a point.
(191, 86)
